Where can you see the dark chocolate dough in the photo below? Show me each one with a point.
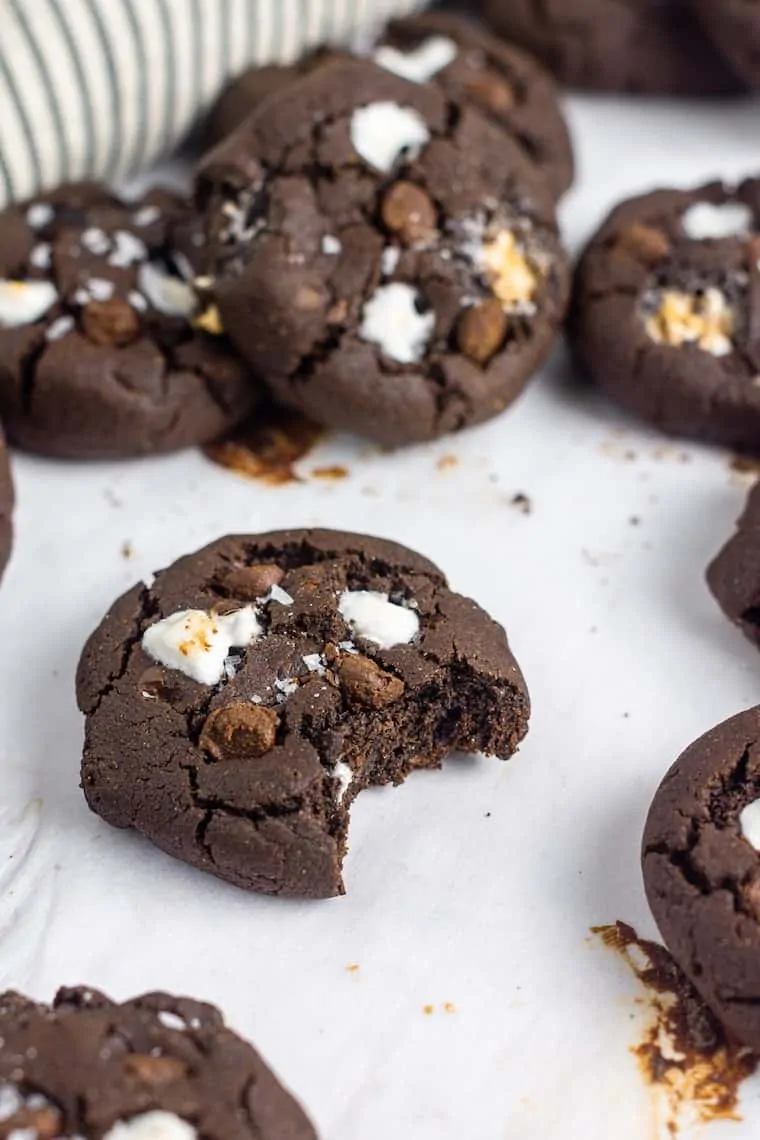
(640, 46)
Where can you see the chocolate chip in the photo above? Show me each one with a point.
(338, 312)
(152, 1070)
(409, 213)
(365, 683)
(152, 684)
(645, 243)
(45, 1123)
(239, 731)
(492, 91)
(481, 330)
(251, 582)
(110, 322)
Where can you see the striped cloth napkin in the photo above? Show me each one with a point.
(101, 88)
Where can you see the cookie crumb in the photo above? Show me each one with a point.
(428, 1010)
(333, 472)
(353, 968)
(449, 1007)
(694, 1069)
(127, 550)
(447, 462)
(634, 520)
(522, 502)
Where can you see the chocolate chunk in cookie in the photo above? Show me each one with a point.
(153, 1068)
(734, 575)
(6, 505)
(473, 66)
(644, 46)
(234, 713)
(701, 864)
(103, 346)
(667, 311)
(356, 222)
(734, 26)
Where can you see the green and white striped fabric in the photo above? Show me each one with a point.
(100, 88)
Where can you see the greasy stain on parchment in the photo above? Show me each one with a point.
(267, 446)
(692, 1066)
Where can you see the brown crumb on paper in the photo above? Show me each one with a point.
(522, 502)
(353, 968)
(693, 1067)
(447, 463)
(127, 550)
(745, 464)
(332, 473)
(267, 446)
(449, 1007)
(428, 1009)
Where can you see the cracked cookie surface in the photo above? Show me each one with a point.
(701, 866)
(237, 707)
(666, 311)
(505, 84)
(645, 46)
(734, 574)
(734, 25)
(153, 1068)
(6, 505)
(386, 258)
(105, 348)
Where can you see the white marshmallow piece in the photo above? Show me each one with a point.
(383, 133)
(703, 220)
(11, 1101)
(343, 774)
(392, 321)
(167, 294)
(277, 594)
(372, 616)
(420, 65)
(156, 1125)
(331, 245)
(749, 821)
(198, 643)
(146, 216)
(39, 215)
(24, 302)
(129, 250)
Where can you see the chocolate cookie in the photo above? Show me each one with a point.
(667, 311)
(701, 864)
(641, 46)
(473, 66)
(237, 707)
(387, 259)
(6, 505)
(104, 349)
(734, 25)
(154, 1068)
(734, 576)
